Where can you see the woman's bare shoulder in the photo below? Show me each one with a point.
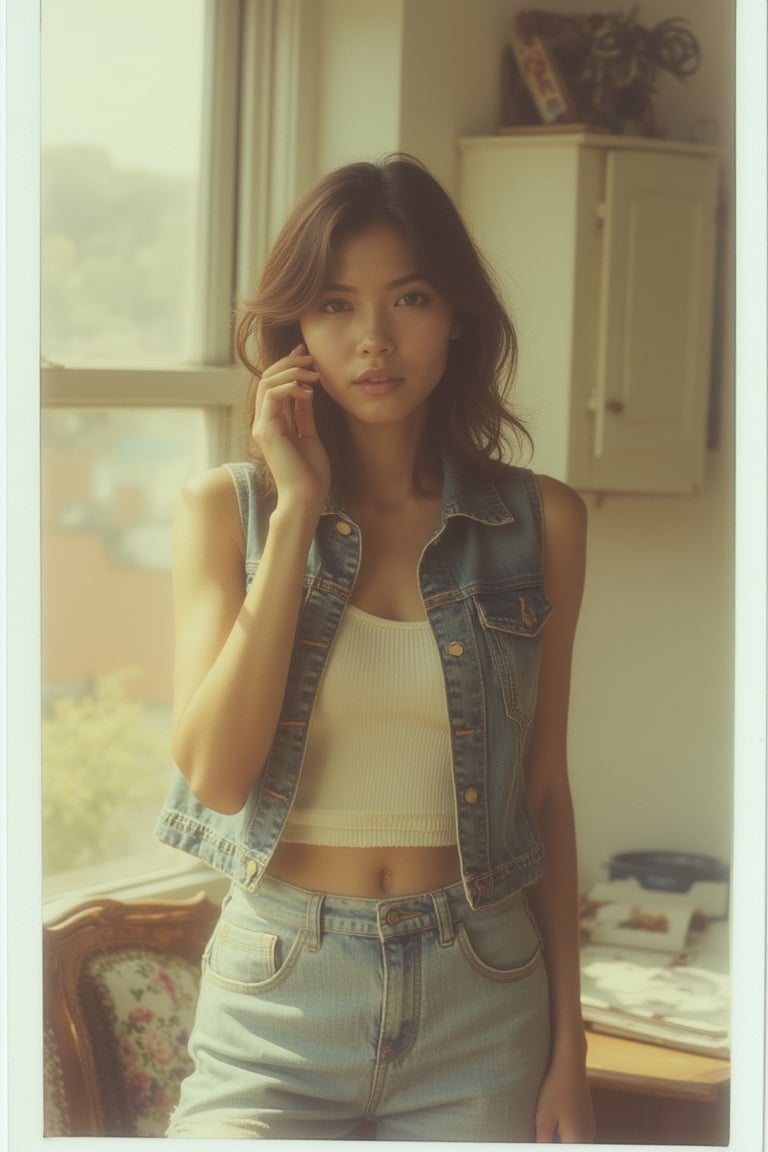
(564, 514)
(565, 531)
(209, 499)
(211, 486)
(561, 502)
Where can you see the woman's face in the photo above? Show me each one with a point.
(379, 333)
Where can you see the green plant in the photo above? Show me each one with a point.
(104, 763)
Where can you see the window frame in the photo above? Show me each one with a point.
(209, 380)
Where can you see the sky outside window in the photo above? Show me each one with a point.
(122, 113)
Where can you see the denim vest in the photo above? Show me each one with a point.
(482, 586)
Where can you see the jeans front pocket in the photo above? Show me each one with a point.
(250, 959)
(503, 943)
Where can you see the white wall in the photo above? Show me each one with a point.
(652, 709)
(359, 62)
(451, 70)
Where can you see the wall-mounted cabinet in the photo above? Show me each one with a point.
(604, 248)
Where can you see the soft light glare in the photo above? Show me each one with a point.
(121, 134)
(139, 95)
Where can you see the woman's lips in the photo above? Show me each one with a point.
(377, 382)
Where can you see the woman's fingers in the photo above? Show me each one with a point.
(277, 384)
(285, 433)
(294, 388)
(284, 427)
(304, 413)
(296, 368)
(281, 409)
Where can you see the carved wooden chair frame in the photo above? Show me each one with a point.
(98, 927)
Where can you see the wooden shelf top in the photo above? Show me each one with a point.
(566, 135)
(649, 1069)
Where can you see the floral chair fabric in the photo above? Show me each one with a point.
(147, 1004)
(121, 984)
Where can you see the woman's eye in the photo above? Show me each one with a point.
(332, 307)
(412, 299)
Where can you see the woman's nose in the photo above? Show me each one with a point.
(375, 338)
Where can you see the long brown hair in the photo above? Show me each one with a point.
(469, 418)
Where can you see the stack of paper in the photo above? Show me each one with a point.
(653, 997)
(641, 977)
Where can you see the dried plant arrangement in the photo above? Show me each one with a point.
(599, 70)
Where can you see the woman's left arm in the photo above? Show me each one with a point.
(564, 1107)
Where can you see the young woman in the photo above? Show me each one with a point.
(374, 628)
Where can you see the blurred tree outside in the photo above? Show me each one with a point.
(118, 265)
(105, 763)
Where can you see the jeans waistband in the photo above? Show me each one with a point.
(438, 910)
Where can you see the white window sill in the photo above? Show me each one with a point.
(175, 883)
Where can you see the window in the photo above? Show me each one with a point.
(122, 144)
(155, 136)
(109, 478)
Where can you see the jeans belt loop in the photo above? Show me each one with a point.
(314, 930)
(444, 918)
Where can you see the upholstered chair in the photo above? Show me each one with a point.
(121, 983)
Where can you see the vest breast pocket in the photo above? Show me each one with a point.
(511, 622)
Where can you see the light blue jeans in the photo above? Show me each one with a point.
(418, 1017)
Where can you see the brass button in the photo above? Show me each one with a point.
(471, 795)
(251, 869)
(392, 917)
(455, 648)
(343, 528)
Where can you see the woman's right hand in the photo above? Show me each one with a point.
(284, 429)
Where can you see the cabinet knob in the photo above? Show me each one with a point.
(615, 406)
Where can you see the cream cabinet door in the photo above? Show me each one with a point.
(604, 248)
(651, 387)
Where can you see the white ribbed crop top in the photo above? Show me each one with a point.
(377, 770)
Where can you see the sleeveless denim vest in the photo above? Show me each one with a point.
(482, 586)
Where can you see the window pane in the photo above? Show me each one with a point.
(122, 100)
(110, 478)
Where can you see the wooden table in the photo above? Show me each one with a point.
(645, 1094)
